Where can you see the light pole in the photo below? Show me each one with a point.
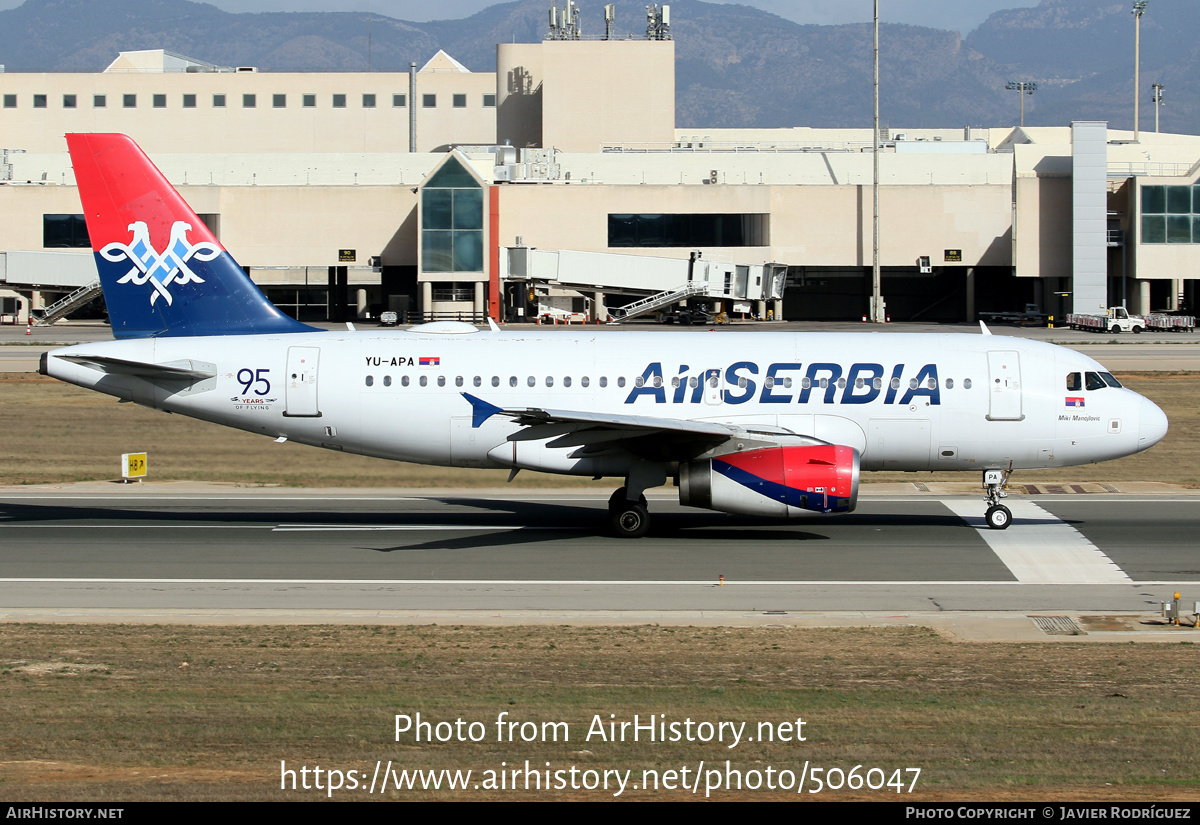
(1025, 87)
(1139, 8)
(878, 314)
(1157, 98)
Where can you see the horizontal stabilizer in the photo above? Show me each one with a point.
(139, 369)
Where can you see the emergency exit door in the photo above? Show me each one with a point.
(1004, 386)
(300, 397)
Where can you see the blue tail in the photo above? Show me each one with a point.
(162, 270)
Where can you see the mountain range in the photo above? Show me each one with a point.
(735, 65)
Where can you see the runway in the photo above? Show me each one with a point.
(534, 552)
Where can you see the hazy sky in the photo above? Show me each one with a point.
(962, 15)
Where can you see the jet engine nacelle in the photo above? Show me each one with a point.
(774, 481)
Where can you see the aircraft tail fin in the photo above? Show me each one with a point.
(162, 270)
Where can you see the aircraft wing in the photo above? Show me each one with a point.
(644, 435)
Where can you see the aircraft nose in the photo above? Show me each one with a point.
(1152, 424)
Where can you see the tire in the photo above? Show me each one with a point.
(1137, 330)
(998, 517)
(629, 522)
(617, 500)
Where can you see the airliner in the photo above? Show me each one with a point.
(761, 423)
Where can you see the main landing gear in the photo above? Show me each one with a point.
(628, 517)
(998, 517)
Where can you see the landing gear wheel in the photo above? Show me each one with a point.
(630, 521)
(998, 517)
(618, 500)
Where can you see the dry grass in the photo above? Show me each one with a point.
(126, 713)
(55, 433)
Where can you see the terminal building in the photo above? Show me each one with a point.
(561, 181)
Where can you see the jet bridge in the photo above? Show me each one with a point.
(653, 282)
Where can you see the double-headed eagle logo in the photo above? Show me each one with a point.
(160, 269)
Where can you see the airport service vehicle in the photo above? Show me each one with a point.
(1116, 319)
(764, 423)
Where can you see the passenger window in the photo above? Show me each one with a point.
(549, 381)
(477, 381)
(876, 382)
(387, 380)
(949, 383)
(966, 383)
(404, 380)
(621, 381)
(637, 382)
(441, 380)
(858, 383)
(495, 380)
(458, 382)
(531, 381)
(805, 383)
(370, 380)
(841, 383)
(1074, 382)
(584, 381)
(658, 380)
(567, 381)
(603, 381)
(512, 380)
(770, 382)
(693, 382)
(895, 383)
(424, 380)
(1094, 381)
(824, 383)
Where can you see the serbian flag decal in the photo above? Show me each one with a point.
(436, 361)
(1075, 401)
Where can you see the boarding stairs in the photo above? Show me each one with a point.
(658, 301)
(67, 303)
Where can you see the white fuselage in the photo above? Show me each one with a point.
(905, 401)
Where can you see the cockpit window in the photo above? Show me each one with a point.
(1094, 381)
(1108, 379)
(1074, 382)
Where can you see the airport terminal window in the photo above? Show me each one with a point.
(1170, 214)
(68, 101)
(452, 221)
(189, 101)
(129, 101)
(279, 101)
(218, 101)
(688, 230)
(99, 101)
(309, 101)
(339, 101)
(10, 101)
(159, 101)
(429, 101)
(249, 101)
(399, 101)
(368, 101)
(460, 101)
(64, 232)
(489, 101)
(39, 101)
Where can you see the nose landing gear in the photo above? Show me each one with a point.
(998, 517)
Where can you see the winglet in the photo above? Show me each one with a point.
(983, 328)
(492, 325)
(480, 410)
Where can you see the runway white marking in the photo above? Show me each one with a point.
(458, 528)
(542, 582)
(1047, 552)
